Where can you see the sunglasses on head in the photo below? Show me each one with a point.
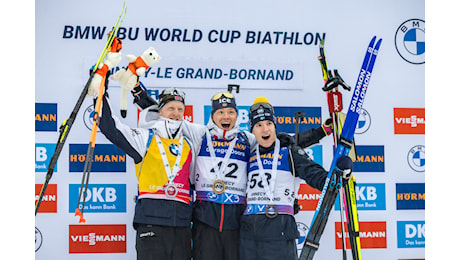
(219, 95)
(259, 105)
(172, 92)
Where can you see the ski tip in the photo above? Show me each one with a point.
(373, 41)
(378, 43)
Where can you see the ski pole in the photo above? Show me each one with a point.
(66, 125)
(89, 154)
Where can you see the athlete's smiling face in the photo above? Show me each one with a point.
(265, 133)
(225, 118)
(173, 110)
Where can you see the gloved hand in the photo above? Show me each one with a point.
(345, 167)
(141, 98)
(327, 126)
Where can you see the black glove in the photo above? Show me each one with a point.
(297, 206)
(345, 167)
(141, 98)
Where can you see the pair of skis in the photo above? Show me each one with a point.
(333, 181)
(67, 124)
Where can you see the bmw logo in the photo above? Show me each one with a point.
(416, 158)
(174, 149)
(364, 122)
(410, 41)
(303, 230)
(38, 239)
(88, 117)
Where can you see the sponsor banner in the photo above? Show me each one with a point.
(90, 239)
(206, 73)
(303, 231)
(46, 117)
(88, 118)
(49, 200)
(106, 158)
(372, 235)
(369, 158)
(369, 196)
(409, 120)
(308, 197)
(284, 118)
(410, 41)
(411, 234)
(416, 158)
(286, 121)
(43, 154)
(38, 239)
(364, 122)
(100, 198)
(410, 196)
(315, 153)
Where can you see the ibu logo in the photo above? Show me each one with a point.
(100, 198)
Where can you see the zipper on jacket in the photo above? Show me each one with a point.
(221, 217)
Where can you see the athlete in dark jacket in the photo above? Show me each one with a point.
(268, 228)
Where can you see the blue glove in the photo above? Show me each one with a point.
(345, 167)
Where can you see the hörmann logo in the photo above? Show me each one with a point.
(284, 118)
(106, 158)
(369, 158)
(410, 196)
(45, 117)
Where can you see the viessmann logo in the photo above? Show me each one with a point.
(308, 197)
(49, 200)
(372, 235)
(97, 239)
(409, 120)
